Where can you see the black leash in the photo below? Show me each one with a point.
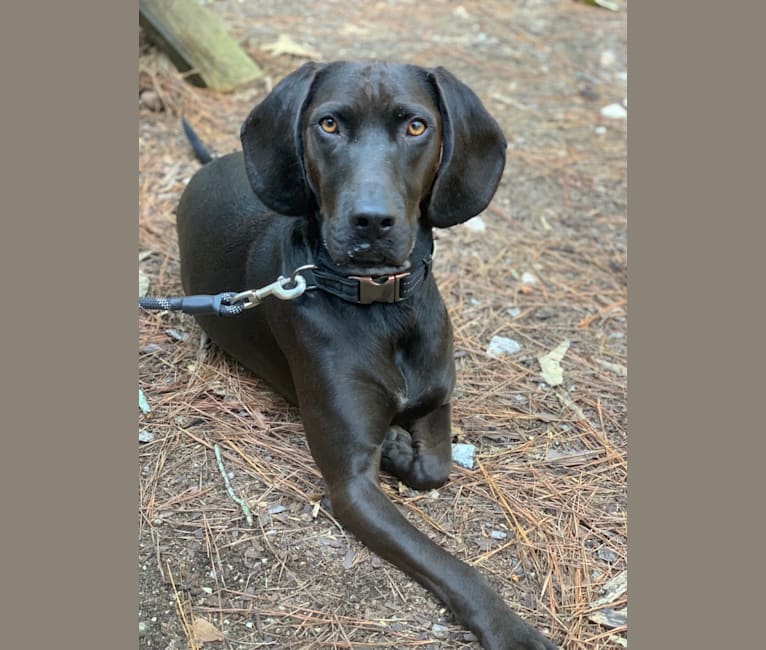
(230, 303)
(361, 290)
(219, 304)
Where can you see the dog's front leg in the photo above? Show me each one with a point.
(345, 439)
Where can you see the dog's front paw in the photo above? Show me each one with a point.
(397, 453)
(414, 465)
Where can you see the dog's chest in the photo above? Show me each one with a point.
(425, 380)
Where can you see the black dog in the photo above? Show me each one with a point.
(366, 158)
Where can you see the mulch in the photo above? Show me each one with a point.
(544, 511)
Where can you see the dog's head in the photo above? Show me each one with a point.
(371, 149)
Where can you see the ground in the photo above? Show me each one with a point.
(543, 512)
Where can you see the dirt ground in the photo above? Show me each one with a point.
(543, 513)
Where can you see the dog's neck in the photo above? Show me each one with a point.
(368, 289)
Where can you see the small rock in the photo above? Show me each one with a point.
(498, 534)
(513, 311)
(145, 436)
(607, 58)
(439, 631)
(501, 345)
(150, 348)
(476, 224)
(275, 510)
(600, 130)
(151, 100)
(178, 335)
(143, 628)
(606, 554)
(460, 12)
(143, 404)
(528, 278)
(462, 454)
(615, 111)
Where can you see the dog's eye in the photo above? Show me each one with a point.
(416, 128)
(328, 125)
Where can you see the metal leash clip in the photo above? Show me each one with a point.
(283, 288)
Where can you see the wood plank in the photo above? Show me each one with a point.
(196, 39)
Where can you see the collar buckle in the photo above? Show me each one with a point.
(385, 288)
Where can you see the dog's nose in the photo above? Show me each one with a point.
(372, 225)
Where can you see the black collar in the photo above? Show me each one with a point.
(364, 290)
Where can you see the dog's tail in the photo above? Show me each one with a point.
(200, 151)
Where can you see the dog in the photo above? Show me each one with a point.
(349, 166)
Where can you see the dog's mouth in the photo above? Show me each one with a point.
(373, 271)
(365, 261)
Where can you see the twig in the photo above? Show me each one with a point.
(179, 605)
(234, 497)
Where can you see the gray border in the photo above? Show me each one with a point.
(696, 164)
(70, 417)
(69, 326)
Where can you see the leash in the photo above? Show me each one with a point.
(230, 303)
(356, 289)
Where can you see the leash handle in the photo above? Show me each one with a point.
(218, 304)
(230, 303)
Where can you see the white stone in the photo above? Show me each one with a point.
(615, 111)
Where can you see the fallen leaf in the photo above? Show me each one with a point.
(612, 590)
(286, 45)
(569, 403)
(610, 617)
(205, 632)
(604, 4)
(550, 364)
(616, 368)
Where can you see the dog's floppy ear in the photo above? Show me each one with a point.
(273, 148)
(473, 154)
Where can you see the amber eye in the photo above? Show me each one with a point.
(416, 127)
(329, 125)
